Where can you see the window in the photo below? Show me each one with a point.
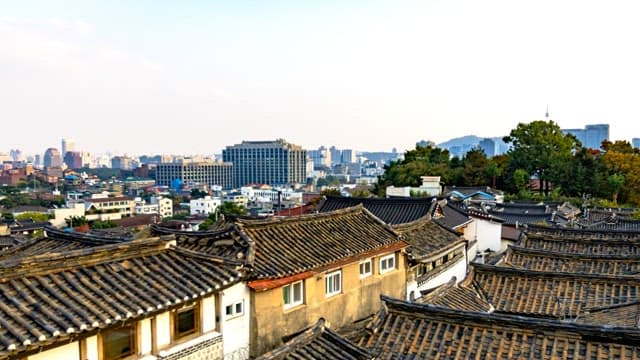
(292, 294)
(333, 283)
(235, 309)
(387, 263)
(366, 268)
(119, 342)
(186, 321)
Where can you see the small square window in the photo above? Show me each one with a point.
(387, 263)
(119, 343)
(186, 321)
(293, 294)
(366, 268)
(235, 309)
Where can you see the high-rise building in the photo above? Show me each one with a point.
(635, 142)
(578, 133)
(73, 159)
(267, 162)
(336, 155)
(122, 162)
(488, 146)
(52, 158)
(86, 159)
(320, 157)
(67, 145)
(591, 136)
(188, 173)
(595, 135)
(348, 156)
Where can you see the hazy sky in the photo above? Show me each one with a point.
(193, 76)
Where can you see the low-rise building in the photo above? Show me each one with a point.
(206, 205)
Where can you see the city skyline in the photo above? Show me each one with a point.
(126, 78)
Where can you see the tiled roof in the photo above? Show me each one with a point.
(101, 200)
(510, 233)
(551, 294)
(28, 208)
(318, 342)
(58, 242)
(425, 238)
(228, 243)
(48, 299)
(453, 218)
(521, 219)
(390, 210)
(453, 295)
(615, 223)
(566, 233)
(622, 315)
(403, 330)
(576, 245)
(541, 260)
(294, 245)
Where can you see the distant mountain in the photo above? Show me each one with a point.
(460, 141)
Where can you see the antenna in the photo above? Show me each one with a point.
(546, 115)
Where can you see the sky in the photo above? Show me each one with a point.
(191, 77)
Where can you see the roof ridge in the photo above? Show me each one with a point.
(516, 249)
(55, 262)
(552, 274)
(294, 219)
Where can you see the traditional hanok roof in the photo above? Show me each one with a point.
(566, 233)
(295, 245)
(521, 219)
(454, 218)
(229, 243)
(615, 223)
(540, 260)
(48, 299)
(392, 211)
(581, 246)
(551, 294)
(318, 342)
(455, 296)
(59, 242)
(428, 238)
(620, 315)
(506, 208)
(403, 330)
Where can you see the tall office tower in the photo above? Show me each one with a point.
(86, 159)
(189, 172)
(348, 156)
(578, 133)
(67, 145)
(52, 158)
(635, 142)
(73, 159)
(488, 146)
(336, 155)
(595, 134)
(320, 157)
(267, 162)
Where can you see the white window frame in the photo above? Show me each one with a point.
(385, 260)
(234, 310)
(292, 301)
(367, 273)
(331, 277)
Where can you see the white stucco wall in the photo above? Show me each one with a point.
(235, 330)
(489, 235)
(208, 314)
(92, 348)
(146, 345)
(163, 329)
(65, 352)
(459, 270)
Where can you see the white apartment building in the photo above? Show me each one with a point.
(204, 206)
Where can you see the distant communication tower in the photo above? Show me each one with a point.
(546, 115)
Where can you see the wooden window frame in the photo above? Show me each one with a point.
(197, 328)
(134, 336)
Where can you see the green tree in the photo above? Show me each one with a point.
(73, 221)
(103, 224)
(615, 181)
(231, 208)
(493, 171)
(38, 217)
(475, 167)
(540, 148)
(521, 180)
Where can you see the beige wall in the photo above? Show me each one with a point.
(359, 298)
(65, 352)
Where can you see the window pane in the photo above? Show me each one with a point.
(186, 321)
(297, 292)
(286, 294)
(239, 308)
(229, 310)
(118, 343)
